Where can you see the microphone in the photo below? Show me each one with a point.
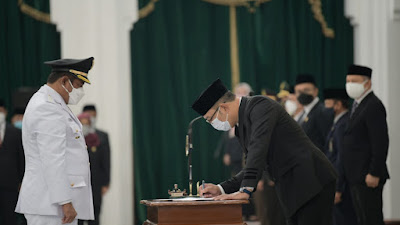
(189, 148)
(189, 144)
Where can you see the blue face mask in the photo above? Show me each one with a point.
(18, 124)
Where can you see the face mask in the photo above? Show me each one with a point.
(305, 99)
(93, 122)
(290, 107)
(75, 95)
(86, 130)
(219, 125)
(2, 117)
(355, 90)
(18, 124)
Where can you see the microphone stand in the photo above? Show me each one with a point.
(189, 149)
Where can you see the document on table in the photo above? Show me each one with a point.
(188, 199)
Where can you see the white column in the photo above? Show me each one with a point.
(101, 28)
(376, 44)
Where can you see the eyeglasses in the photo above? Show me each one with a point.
(210, 120)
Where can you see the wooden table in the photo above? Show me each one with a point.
(162, 212)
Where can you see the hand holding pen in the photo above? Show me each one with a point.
(209, 190)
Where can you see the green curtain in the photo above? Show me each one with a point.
(183, 45)
(176, 51)
(282, 39)
(25, 44)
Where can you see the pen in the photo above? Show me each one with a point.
(203, 183)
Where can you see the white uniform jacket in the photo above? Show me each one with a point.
(57, 162)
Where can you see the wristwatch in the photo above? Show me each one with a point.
(247, 190)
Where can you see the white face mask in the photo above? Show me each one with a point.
(75, 95)
(85, 130)
(93, 122)
(2, 117)
(290, 107)
(355, 90)
(221, 125)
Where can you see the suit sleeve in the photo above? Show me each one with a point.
(341, 183)
(106, 161)
(379, 138)
(51, 140)
(233, 184)
(324, 123)
(263, 118)
(327, 121)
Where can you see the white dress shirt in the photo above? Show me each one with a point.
(2, 131)
(359, 100)
(310, 106)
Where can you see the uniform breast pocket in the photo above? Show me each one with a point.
(76, 181)
(76, 131)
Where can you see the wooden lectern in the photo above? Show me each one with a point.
(166, 212)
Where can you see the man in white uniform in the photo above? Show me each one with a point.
(56, 187)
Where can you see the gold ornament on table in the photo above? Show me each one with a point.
(176, 192)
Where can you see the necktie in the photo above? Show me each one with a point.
(353, 108)
(330, 138)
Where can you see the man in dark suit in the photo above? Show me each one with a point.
(343, 211)
(99, 155)
(315, 119)
(273, 142)
(365, 143)
(12, 167)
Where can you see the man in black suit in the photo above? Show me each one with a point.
(99, 156)
(272, 142)
(12, 168)
(315, 119)
(366, 143)
(338, 100)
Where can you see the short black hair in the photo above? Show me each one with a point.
(54, 76)
(89, 108)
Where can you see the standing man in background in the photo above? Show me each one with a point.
(99, 155)
(17, 117)
(315, 119)
(12, 166)
(338, 100)
(366, 143)
(56, 188)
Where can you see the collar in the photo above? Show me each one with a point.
(359, 100)
(52, 95)
(240, 102)
(310, 106)
(337, 118)
(2, 130)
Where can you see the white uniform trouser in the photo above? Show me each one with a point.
(46, 220)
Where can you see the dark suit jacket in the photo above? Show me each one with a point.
(317, 124)
(100, 166)
(12, 160)
(334, 152)
(366, 142)
(274, 142)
